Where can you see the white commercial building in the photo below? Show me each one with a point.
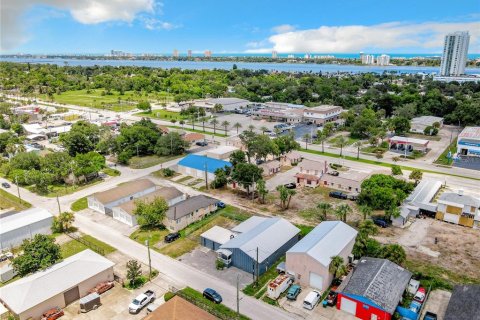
(17, 227)
(383, 60)
(57, 286)
(322, 114)
(455, 52)
(468, 142)
(419, 124)
(222, 152)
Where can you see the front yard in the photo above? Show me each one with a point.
(149, 161)
(75, 246)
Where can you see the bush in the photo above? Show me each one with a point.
(219, 264)
(169, 295)
(396, 170)
(167, 172)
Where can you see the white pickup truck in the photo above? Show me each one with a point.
(141, 301)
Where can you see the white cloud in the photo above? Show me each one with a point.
(13, 31)
(284, 28)
(155, 24)
(388, 37)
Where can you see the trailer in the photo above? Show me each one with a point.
(90, 302)
(279, 285)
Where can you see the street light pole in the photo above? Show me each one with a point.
(147, 243)
(238, 295)
(18, 189)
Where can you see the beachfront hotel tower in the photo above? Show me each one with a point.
(455, 52)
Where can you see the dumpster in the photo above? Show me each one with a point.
(90, 302)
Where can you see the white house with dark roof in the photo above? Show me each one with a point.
(309, 260)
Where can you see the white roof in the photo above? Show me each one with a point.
(218, 234)
(470, 133)
(35, 135)
(23, 218)
(325, 241)
(3, 310)
(248, 224)
(409, 140)
(32, 290)
(222, 150)
(423, 195)
(36, 128)
(426, 120)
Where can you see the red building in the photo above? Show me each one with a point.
(373, 290)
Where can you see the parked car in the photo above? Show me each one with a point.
(202, 143)
(141, 301)
(420, 295)
(332, 298)
(102, 287)
(53, 314)
(311, 300)
(334, 173)
(221, 205)
(212, 295)
(259, 161)
(338, 195)
(6, 256)
(430, 316)
(380, 222)
(172, 237)
(293, 292)
(415, 306)
(290, 185)
(5, 185)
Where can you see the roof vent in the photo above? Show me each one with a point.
(363, 261)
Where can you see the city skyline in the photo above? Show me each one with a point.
(148, 26)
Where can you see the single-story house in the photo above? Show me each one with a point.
(309, 260)
(23, 225)
(419, 124)
(350, 180)
(104, 202)
(214, 237)
(373, 289)
(200, 166)
(221, 153)
(310, 172)
(464, 303)
(270, 167)
(194, 137)
(407, 145)
(421, 198)
(291, 158)
(185, 212)
(125, 211)
(57, 286)
(265, 238)
(179, 309)
(459, 208)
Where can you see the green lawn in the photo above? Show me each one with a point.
(149, 161)
(189, 128)
(270, 274)
(443, 157)
(111, 172)
(335, 140)
(162, 114)
(62, 190)
(155, 235)
(114, 101)
(8, 200)
(186, 178)
(73, 247)
(79, 205)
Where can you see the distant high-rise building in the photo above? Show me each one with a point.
(274, 54)
(189, 53)
(368, 59)
(455, 52)
(383, 60)
(208, 53)
(175, 53)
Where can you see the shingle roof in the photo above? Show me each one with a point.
(379, 280)
(193, 136)
(464, 303)
(179, 309)
(123, 190)
(189, 205)
(32, 290)
(326, 240)
(308, 164)
(461, 199)
(23, 218)
(201, 162)
(167, 193)
(267, 235)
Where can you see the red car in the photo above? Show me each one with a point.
(53, 314)
(102, 287)
(420, 295)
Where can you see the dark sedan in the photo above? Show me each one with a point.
(212, 295)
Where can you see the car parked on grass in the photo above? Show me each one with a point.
(293, 292)
(102, 287)
(338, 195)
(420, 295)
(53, 314)
(290, 185)
(172, 237)
(141, 301)
(212, 295)
(5, 185)
(311, 300)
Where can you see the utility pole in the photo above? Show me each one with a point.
(147, 243)
(238, 296)
(257, 266)
(18, 189)
(253, 190)
(206, 175)
(58, 202)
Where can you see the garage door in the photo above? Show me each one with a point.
(348, 306)
(316, 281)
(71, 295)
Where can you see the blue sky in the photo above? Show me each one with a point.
(88, 26)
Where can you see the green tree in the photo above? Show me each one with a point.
(366, 211)
(324, 208)
(145, 106)
(237, 126)
(221, 179)
(237, 156)
(342, 211)
(134, 272)
(341, 141)
(150, 214)
(321, 137)
(394, 253)
(400, 125)
(368, 228)
(335, 266)
(328, 128)
(261, 190)
(63, 222)
(88, 164)
(358, 145)
(263, 129)
(380, 191)
(214, 122)
(246, 174)
(225, 125)
(217, 108)
(396, 170)
(416, 175)
(39, 253)
(171, 144)
(286, 143)
(82, 138)
(285, 196)
(392, 212)
(306, 137)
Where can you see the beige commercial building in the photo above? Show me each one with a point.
(310, 173)
(322, 114)
(350, 180)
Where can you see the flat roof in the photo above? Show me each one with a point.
(23, 218)
(424, 193)
(222, 150)
(409, 140)
(218, 234)
(426, 120)
(32, 290)
(470, 133)
(203, 162)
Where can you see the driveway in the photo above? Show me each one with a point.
(437, 303)
(282, 178)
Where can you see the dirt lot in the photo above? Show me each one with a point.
(456, 248)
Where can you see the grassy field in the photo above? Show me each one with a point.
(111, 172)
(154, 235)
(443, 157)
(73, 247)
(62, 190)
(114, 101)
(162, 114)
(79, 204)
(149, 161)
(8, 200)
(335, 140)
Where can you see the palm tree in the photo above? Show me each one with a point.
(358, 144)
(193, 122)
(366, 211)
(251, 127)
(263, 129)
(306, 137)
(367, 228)
(203, 120)
(237, 126)
(335, 265)
(214, 122)
(324, 208)
(65, 220)
(342, 211)
(182, 123)
(342, 141)
(277, 131)
(225, 124)
(321, 137)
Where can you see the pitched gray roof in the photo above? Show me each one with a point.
(189, 205)
(379, 280)
(461, 199)
(464, 303)
(166, 193)
(267, 234)
(124, 190)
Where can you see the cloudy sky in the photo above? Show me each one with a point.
(342, 26)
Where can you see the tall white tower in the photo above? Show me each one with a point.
(455, 52)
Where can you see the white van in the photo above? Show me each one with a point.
(311, 300)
